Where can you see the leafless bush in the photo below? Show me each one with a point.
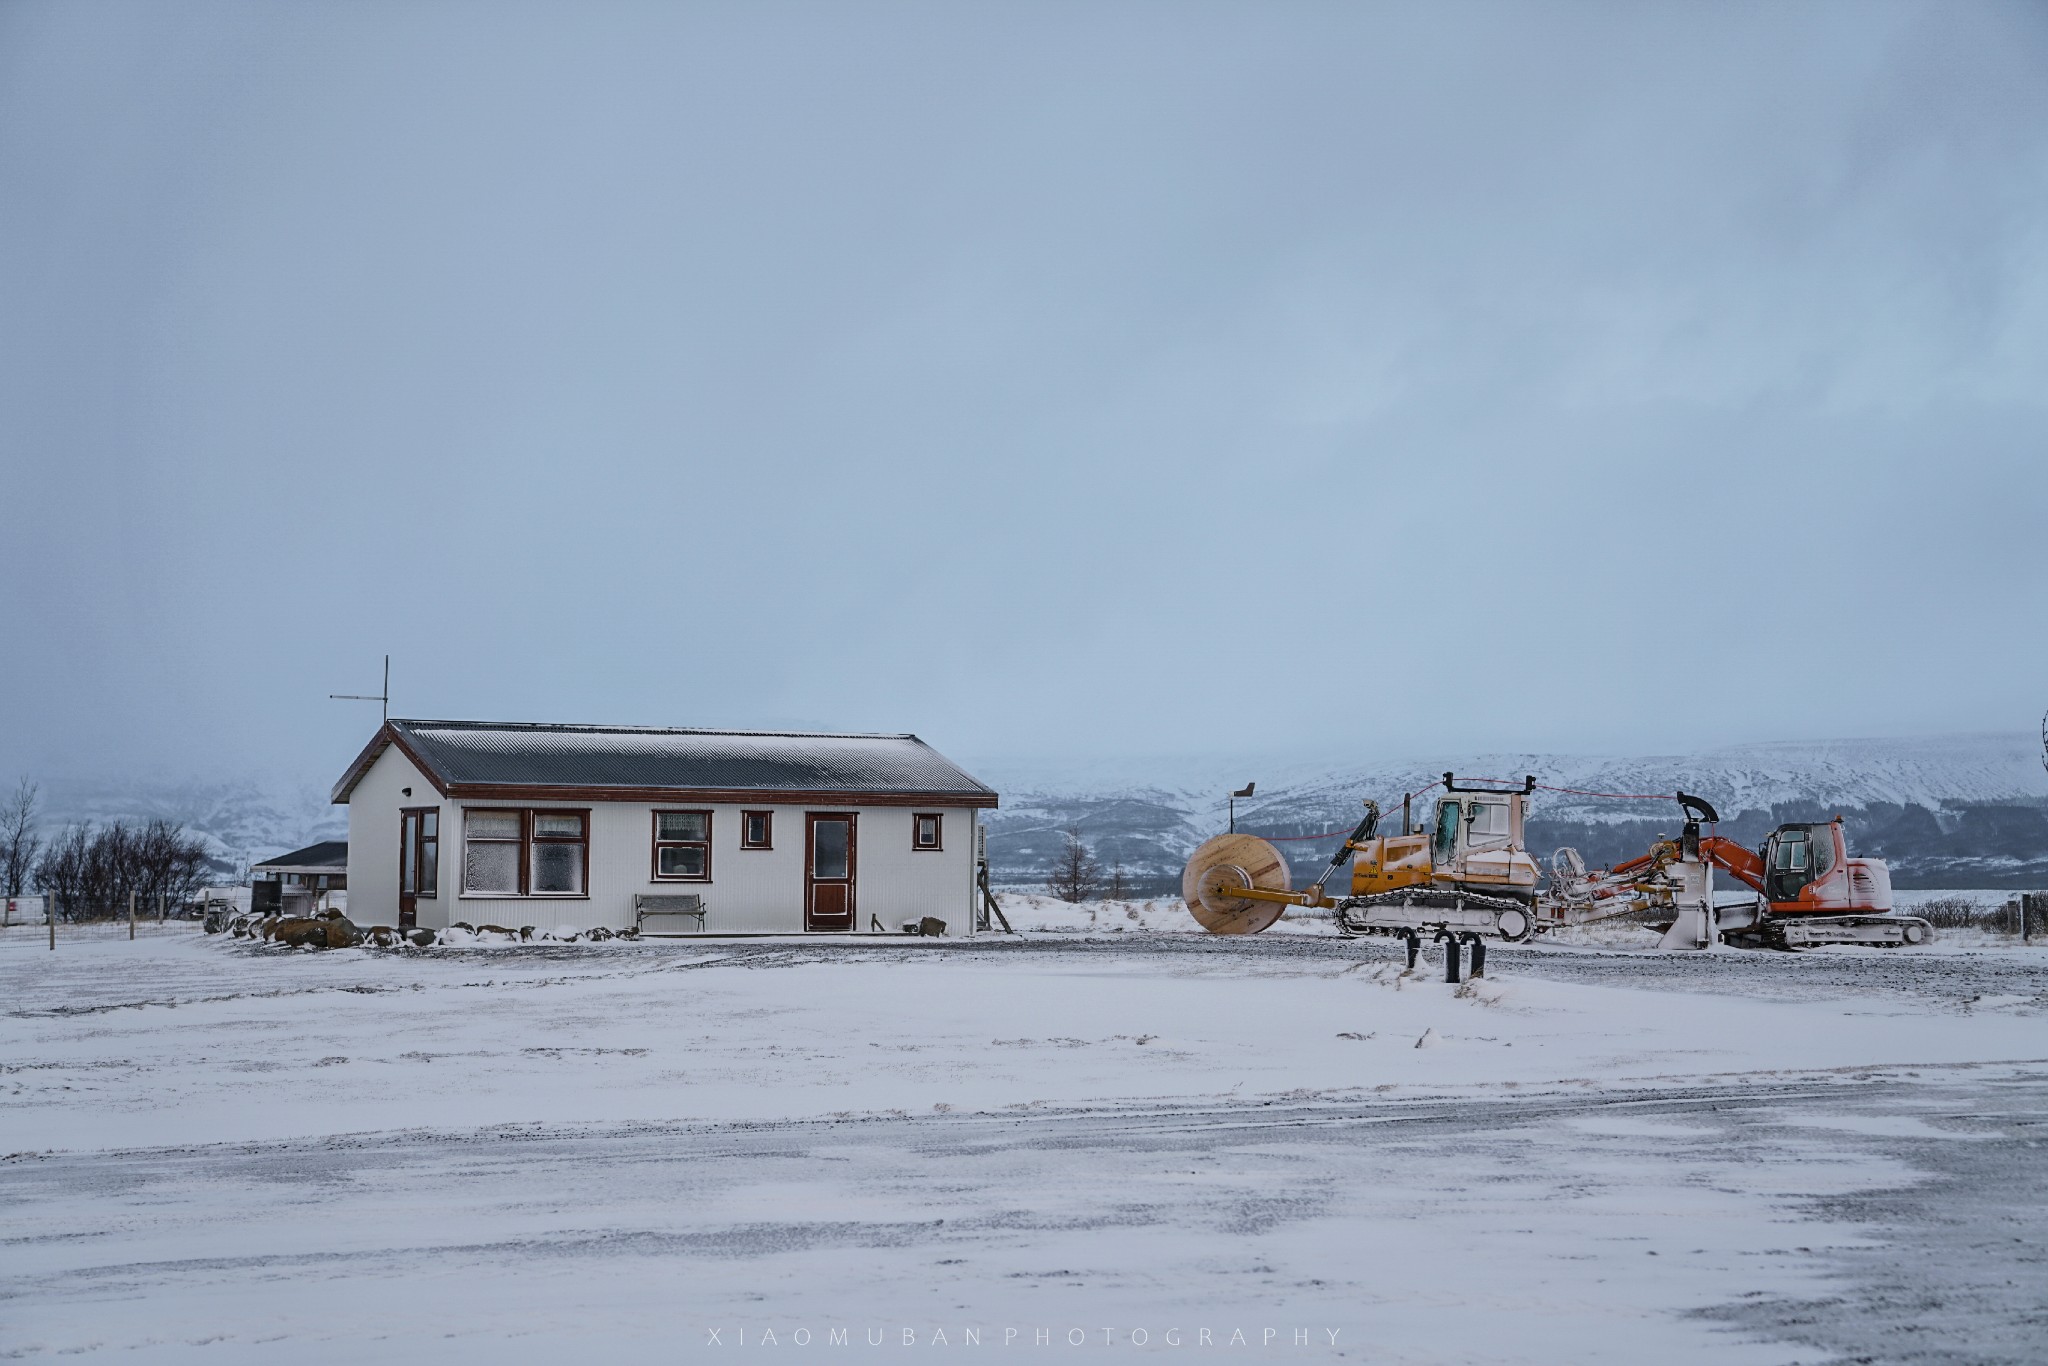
(1969, 913)
(92, 870)
(1951, 912)
(19, 842)
(1076, 876)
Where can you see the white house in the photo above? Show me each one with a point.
(572, 827)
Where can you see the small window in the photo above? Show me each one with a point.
(556, 860)
(757, 829)
(924, 830)
(1489, 820)
(491, 850)
(682, 846)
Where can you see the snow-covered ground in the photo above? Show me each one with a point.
(1102, 1131)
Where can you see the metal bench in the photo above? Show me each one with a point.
(666, 914)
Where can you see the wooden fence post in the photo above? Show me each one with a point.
(50, 914)
(131, 913)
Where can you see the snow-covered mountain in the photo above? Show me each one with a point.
(1967, 806)
(1952, 810)
(242, 821)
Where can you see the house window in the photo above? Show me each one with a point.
(558, 853)
(924, 830)
(682, 846)
(525, 853)
(757, 829)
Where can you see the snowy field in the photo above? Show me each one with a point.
(1110, 1133)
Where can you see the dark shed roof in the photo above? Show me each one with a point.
(478, 758)
(328, 856)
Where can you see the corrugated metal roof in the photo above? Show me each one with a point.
(328, 854)
(464, 753)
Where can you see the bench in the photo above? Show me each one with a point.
(667, 914)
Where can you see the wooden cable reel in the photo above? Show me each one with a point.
(1227, 863)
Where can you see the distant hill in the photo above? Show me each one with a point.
(242, 822)
(1954, 811)
(1969, 810)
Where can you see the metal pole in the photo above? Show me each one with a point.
(1451, 947)
(1478, 956)
(131, 913)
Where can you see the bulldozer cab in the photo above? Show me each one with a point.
(1475, 820)
(1794, 856)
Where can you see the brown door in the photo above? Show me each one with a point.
(829, 856)
(419, 862)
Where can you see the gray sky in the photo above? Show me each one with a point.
(1047, 379)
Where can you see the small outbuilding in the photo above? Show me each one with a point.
(571, 827)
(302, 881)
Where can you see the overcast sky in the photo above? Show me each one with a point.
(1048, 379)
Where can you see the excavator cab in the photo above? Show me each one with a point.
(1795, 856)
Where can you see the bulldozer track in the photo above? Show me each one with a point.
(1355, 914)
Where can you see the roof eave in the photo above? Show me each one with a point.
(981, 798)
(387, 735)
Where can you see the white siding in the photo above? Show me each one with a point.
(752, 891)
(373, 809)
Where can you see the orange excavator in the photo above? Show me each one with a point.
(1809, 891)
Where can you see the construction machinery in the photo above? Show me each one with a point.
(1467, 875)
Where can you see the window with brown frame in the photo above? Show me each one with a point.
(525, 852)
(925, 828)
(682, 846)
(757, 829)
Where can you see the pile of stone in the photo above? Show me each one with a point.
(328, 930)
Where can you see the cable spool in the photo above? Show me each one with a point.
(1227, 863)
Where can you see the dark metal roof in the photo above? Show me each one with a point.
(326, 856)
(461, 755)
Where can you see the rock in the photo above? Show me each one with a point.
(343, 933)
(422, 938)
(295, 932)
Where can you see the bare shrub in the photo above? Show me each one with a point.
(1076, 876)
(1951, 912)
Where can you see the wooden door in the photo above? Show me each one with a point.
(830, 856)
(408, 868)
(419, 861)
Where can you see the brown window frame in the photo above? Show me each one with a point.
(767, 829)
(526, 842)
(654, 872)
(938, 820)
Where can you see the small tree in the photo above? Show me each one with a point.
(1076, 875)
(19, 842)
(1119, 884)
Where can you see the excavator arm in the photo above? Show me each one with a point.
(1743, 864)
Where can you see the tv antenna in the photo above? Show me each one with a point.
(384, 697)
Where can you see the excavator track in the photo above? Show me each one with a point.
(1423, 910)
(1801, 932)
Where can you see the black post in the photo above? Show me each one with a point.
(1450, 958)
(1478, 956)
(1414, 949)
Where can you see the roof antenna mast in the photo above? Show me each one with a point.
(384, 697)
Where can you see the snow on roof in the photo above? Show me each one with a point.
(619, 760)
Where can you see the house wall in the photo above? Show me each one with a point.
(752, 891)
(373, 809)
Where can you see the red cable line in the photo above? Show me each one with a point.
(1541, 787)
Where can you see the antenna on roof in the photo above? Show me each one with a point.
(384, 697)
